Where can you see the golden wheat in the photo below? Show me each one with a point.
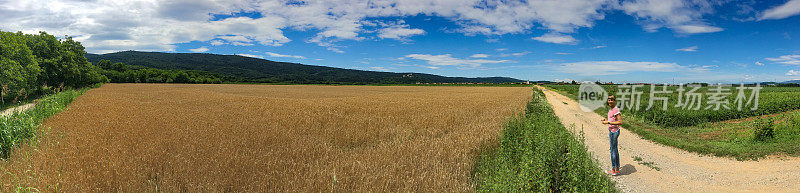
(260, 138)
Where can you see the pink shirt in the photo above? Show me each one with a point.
(612, 117)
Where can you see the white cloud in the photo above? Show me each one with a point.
(788, 9)
(599, 68)
(398, 31)
(515, 54)
(598, 47)
(759, 63)
(235, 38)
(501, 49)
(479, 56)
(283, 56)
(241, 44)
(378, 68)
(200, 49)
(696, 29)
(216, 42)
(562, 80)
(448, 60)
(520, 53)
(793, 73)
(250, 55)
(787, 59)
(687, 49)
(682, 16)
(501, 17)
(556, 38)
(143, 25)
(158, 25)
(563, 53)
(727, 77)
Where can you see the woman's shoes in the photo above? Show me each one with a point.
(612, 173)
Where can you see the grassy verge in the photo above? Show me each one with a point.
(537, 153)
(22, 126)
(732, 138)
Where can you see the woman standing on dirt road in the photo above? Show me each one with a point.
(614, 121)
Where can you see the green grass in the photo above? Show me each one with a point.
(538, 154)
(20, 127)
(650, 165)
(736, 138)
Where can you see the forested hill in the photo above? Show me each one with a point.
(260, 70)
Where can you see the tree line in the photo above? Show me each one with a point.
(119, 72)
(37, 64)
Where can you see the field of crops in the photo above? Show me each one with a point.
(261, 138)
(771, 100)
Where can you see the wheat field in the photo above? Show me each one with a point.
(265, 138)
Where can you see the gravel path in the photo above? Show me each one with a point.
(680, 171)
(16, 109)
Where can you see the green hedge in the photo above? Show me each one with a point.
(538, 154)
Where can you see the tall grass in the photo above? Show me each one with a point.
(22, 126)
(537, 153)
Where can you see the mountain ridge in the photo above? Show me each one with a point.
(248, 69)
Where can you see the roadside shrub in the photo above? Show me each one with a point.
(538, 154)
(764, 129)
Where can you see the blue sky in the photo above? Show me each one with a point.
(607, 40)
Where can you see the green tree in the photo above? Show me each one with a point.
(62, 61)
(19, 69)
(119, 67)
(104, 64)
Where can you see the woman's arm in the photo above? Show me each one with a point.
(619, 120)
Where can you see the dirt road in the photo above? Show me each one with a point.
(17, 109)
(680, 171)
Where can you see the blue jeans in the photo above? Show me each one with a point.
(612, 136)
